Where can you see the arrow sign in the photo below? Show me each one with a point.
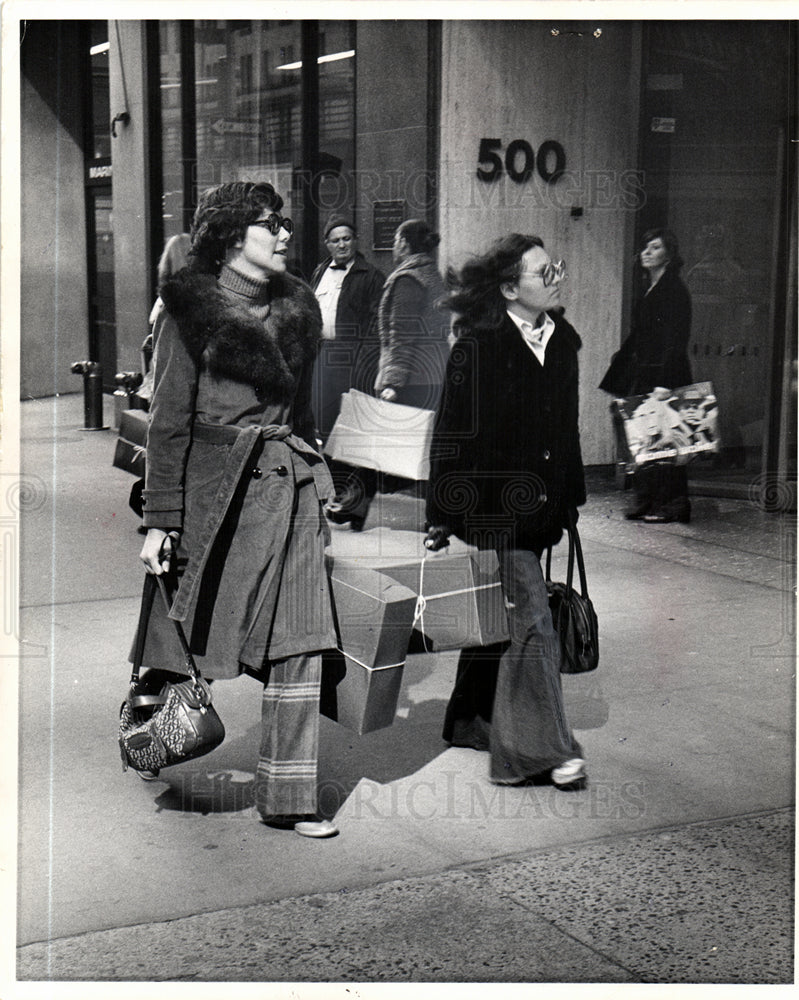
(222, 127)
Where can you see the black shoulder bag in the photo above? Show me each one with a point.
(573, 614)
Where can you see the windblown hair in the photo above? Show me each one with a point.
(420, 237)
(475, 296)
(221, 219)
(669, 242)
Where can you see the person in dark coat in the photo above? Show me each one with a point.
(507, 474)
(655, 356)
(234, 485)
(348, 289)
(413, 350)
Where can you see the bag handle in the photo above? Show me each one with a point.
(575, 550)
(151, 583)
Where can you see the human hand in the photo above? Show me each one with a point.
(158, 549)
(388, 394)
(437, 538)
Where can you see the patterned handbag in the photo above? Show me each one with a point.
(573, 614)
(178, 723)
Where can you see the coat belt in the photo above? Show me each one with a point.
(243, 441)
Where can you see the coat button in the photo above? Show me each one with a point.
(256, 473)
(547, 454)
(281, 470)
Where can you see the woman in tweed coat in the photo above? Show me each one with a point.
(234, 484)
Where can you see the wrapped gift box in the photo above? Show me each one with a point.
(129, 453)
(357, 696)
(460, 601)
(463, 602)
(374, 615)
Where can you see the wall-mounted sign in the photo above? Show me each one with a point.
(386, 216)
(100, 172)
(520, 160)
(663, 125)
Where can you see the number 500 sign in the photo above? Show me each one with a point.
(520, 160)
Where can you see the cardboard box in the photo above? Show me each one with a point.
(473, 615)
(357, 696)
(374, 615)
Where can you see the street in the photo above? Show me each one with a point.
(674, 865)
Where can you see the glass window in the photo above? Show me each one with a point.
(171, 129)
(336, 119)
(100, 101)
(247, 121)
(248, 103)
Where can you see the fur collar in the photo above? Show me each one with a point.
(223, 336)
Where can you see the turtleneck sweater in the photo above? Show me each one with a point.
(253, 291)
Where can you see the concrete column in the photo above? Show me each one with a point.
(54, 320)
(129, 152)
(509, 81)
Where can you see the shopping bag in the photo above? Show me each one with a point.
(389, 437)
(129, 453)
(669, 425)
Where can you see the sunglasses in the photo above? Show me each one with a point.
(274, 224)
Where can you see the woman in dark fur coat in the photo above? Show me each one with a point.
(234, 485)
(507, 474)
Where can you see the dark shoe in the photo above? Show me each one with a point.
(681, 514)
(637, 513)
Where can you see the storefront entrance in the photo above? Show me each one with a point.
(716, 105)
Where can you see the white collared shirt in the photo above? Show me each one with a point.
(327, 294)
(536, 337)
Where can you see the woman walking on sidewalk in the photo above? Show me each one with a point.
(234, 484)
(507, 473)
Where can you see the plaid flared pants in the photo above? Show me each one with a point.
(286, 774)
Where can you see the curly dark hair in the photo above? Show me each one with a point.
(476, 296)
(221, 219)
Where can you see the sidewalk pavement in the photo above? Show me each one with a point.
(674, 865)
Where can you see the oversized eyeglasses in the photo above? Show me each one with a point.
(549, 272)
(274, 224)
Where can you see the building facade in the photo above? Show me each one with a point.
(584, 133)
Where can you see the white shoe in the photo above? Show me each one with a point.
(316, 828)
(566, 773)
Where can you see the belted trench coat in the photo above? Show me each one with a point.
(231, 465)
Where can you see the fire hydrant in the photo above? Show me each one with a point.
(92, 374)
